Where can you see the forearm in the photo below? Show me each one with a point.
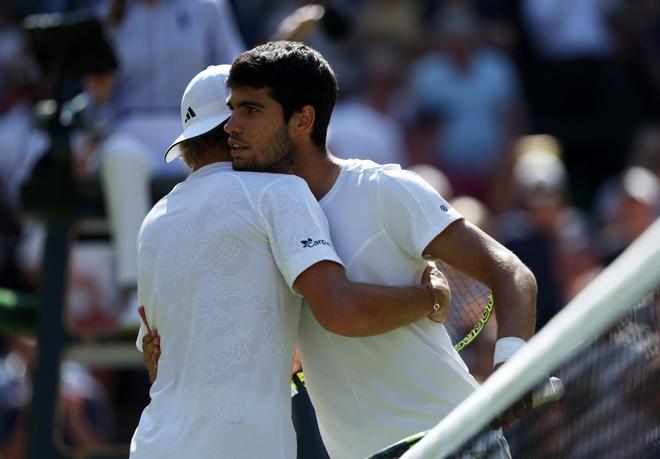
(357, 309)
(370, 309)
(514, 295)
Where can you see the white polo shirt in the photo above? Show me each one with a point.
(371, 392)
(217, 260)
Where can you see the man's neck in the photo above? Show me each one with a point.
(319, 169)
(215, 157)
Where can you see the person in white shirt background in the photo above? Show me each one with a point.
(160, 45)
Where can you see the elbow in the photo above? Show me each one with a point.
(528, 288)
(341, 326)
(528, 280)
(341, 317)
(523, 278)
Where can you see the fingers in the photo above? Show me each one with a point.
(426, 277)
(156, 351)
(147, 340)
(151, 353)
(151, 344)
(150, 347)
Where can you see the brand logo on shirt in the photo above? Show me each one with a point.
(444, 208)
(310, 243)
(189, 115)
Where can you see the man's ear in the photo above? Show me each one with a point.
(303, 120)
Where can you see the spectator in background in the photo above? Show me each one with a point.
(86, 416)
(423, 129)
(361, 126)
(635, 26)
(160, 46)
(393, 22)
(544, 229)
(628, 203)
(439, 181)
(646, 148)
(576, 92)
(22, 144)
(328, 26)
(85, 409)
(477, 92)
(15, 391)
(635, 207)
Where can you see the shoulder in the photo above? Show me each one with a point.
(385, 176)
(267, 185)
(264, 180)
(279, 181)
(387, 179)
(367, 167)
(402, 178)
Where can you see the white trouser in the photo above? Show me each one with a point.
(130, 157)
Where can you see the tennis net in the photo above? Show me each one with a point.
(605, 347)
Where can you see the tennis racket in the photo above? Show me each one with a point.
(470, 308)
(551, 390)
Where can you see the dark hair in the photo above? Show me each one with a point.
(295, 75)
(194, 151)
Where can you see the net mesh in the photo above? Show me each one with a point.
(611, 405)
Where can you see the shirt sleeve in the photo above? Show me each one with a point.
(411, 211)
(296, 226)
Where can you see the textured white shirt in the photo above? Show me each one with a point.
(217, 260)
(371, 392)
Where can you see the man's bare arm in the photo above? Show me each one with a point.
(356, 309)
(466, 247)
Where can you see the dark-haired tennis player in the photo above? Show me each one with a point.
(385, 223)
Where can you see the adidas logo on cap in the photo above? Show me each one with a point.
(189, 115)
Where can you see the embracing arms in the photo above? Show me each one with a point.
(356, 309)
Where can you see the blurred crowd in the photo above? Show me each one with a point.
(538, 119)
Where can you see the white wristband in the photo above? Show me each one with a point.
(506, 347)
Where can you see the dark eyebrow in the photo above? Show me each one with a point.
(245, 103)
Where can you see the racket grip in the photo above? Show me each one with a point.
(551, 390)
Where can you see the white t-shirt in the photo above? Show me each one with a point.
(217, 260)
(371, 392)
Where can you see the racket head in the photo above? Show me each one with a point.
(470, 308)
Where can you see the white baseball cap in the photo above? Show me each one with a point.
(203, 106)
